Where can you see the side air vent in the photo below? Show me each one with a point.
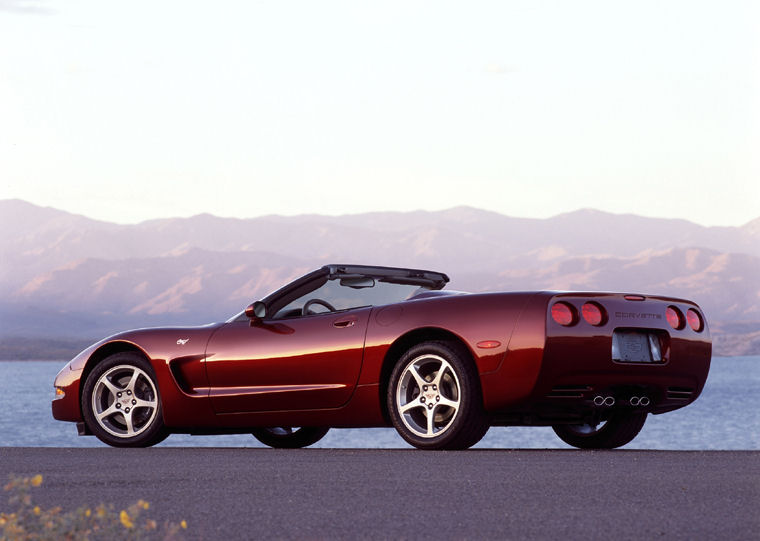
(680, 393)
(569, 391)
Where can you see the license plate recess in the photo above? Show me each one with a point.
(636, 346)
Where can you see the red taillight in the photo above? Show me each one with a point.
(694, 319)
(674, 317)
(593, 313)
(563, 313)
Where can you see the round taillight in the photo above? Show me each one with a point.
(563, 313)
(593, 313)
(695, 320)
(674, 317)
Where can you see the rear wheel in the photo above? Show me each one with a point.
(434, 397)
(121, 404)
(286, 437)
(619, 429)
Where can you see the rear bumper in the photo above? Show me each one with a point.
(573, 374)
(577, 365)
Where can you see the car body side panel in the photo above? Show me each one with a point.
(471, 318)
(177, 356)
(362, 411)
(516, 376)
(302, 363)
(474, 319)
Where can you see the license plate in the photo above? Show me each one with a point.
(631, 346)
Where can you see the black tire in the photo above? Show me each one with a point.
(124, 384)
(289, 438)
(440, 379)
(618, 430)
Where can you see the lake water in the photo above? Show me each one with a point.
(725, 417)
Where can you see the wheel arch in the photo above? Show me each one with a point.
(403, 343)
(102, 353)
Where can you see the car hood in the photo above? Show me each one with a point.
(167, 342)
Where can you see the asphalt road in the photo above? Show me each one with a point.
(409, 494)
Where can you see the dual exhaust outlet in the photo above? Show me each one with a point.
(639, 401)
(608, 401)
(604, 400)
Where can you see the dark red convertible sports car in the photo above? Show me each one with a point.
(361, 346)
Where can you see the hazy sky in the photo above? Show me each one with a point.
(126, 111)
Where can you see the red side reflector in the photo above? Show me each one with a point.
(674, 317)
(488, 344)
(593, 313)
(563, 313)
(694, 319)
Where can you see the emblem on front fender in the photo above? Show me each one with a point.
(182, 341)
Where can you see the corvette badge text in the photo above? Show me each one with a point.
(182, 341)
(636, 315)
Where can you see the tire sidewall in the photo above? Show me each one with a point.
(470, 403)
(154, 433)
(619, 430)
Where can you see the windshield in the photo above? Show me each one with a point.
(339, 297)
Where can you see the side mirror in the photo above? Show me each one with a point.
(256, 312)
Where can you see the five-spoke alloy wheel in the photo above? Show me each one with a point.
(121, 403)
(434, 398)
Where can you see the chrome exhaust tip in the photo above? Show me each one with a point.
(635, 401)
(600, 400)
(644, 401)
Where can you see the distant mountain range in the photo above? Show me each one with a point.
(67, 276)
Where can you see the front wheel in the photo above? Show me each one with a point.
(121, 404)
(619, 429)
(285, 437)
(434, 397)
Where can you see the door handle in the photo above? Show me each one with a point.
(345, 322)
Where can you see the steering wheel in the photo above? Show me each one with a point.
(310, 302)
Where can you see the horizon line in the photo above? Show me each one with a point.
(371, 212)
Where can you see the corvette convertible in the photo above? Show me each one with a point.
(364, 346)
